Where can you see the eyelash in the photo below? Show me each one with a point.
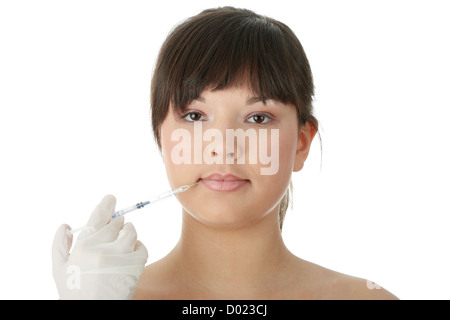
(253, 115)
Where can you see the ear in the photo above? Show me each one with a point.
(305, 138)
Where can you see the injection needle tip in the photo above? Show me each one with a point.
(188, 186)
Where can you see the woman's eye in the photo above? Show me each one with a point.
(257, 118)
(192, 116)
(260, 118)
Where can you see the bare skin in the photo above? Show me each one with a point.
(231, 246)
(224, 267)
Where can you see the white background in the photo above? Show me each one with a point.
(74, 126)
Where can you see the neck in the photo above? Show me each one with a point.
(241, 262)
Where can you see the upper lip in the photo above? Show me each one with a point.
(218, 176)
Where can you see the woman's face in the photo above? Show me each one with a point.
(196, 147)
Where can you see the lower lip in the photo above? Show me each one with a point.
(223, 185)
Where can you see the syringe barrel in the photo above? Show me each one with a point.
(124, 211)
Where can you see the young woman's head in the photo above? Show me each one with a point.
(230, 68)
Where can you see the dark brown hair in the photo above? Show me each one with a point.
(226, 47)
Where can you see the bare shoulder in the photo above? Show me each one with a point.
(159, 281)
(332, 285)
(153, 283)
(354, 288)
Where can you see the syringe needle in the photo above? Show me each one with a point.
(152, 200)
(142, 204)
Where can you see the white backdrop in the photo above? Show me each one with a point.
(75, 125)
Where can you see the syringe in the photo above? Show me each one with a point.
(141, 205)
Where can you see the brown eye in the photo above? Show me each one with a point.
(260, 118)
(192, 116)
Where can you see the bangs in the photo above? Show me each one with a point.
(233, 49)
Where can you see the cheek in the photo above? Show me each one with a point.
(282, 148)
(286, 158)
(173, 170)
(287, 148)
(178, 173)
(272, 187)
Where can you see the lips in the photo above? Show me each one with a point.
(223, 183)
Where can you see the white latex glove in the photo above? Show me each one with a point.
(106, 261)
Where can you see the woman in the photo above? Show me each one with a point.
(225, 72)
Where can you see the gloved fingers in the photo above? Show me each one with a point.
(62, 242)
(140, 252)
(102, 214)
(107, 233)
(126, 241)
(138, 257)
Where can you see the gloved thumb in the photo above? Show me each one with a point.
(62, 242)
(102, 213)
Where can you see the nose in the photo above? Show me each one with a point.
(231, 157)
(231, 148)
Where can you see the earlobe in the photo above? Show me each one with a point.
(305, 138)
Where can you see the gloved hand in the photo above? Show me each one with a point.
(106, 261)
